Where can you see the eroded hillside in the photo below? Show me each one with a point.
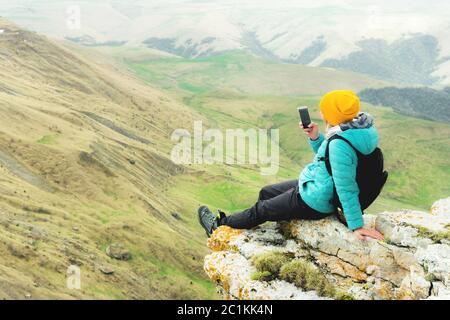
(83, 150)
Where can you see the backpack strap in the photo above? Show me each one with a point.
(326, 159)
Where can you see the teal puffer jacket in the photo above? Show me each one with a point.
(316, 185)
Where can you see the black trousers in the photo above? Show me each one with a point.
(278, 202)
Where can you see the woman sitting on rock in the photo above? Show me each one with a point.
(311, 196)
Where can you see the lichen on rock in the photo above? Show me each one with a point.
(223, 239)
(412, 263)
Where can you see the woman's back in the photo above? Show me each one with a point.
(315, 183)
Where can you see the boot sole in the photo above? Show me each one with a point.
(201, 222)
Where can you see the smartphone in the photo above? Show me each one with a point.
(304, 116)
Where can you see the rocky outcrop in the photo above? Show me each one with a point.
(412, 263)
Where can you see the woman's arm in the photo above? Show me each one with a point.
(343, 162)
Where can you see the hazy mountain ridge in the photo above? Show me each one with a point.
(382, 42)
(425, 103)
(406, 60)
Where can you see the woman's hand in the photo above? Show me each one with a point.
(312, 131)
(362, 233)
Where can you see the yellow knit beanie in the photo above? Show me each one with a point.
(339, 106)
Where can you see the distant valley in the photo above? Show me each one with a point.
(384, 41)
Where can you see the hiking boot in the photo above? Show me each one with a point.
(208, 220)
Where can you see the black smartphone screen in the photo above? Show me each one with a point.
(304, 116)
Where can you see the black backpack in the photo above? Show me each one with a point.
(370, 174)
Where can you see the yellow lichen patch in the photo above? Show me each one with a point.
(245, 295)
(216, 271)
(219, 279)
(404, 294)
(210, 267)
(384, 291)
(239, 295)
(222, 237)
(339, 267)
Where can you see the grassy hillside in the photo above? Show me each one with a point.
(417, 151)
(239, 72)
(83, 160)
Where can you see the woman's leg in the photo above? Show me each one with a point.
(286, 206)
(271, 191)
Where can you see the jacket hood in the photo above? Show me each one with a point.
(364, 140)
(361, 132)
(362, 121)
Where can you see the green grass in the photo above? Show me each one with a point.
(192, 88)
(169, 275)
(238, 71)
(105, 293)
(47, 139)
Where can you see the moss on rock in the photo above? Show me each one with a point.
(262, 276)
(270, 262)
(305, 276)
(278, 265)
(436, 237)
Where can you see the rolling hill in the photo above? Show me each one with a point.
(84, 168)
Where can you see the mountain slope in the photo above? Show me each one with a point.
(389, 39)
(425, 103)
(84, 166)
